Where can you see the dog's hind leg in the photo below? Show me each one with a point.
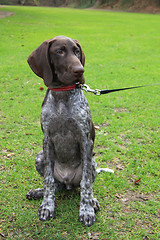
(35, 194)
(38, 193)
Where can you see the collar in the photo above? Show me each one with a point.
(66, 88)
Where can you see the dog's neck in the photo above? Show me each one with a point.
(65, 96)
(65, 88)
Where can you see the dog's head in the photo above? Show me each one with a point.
(59, 61)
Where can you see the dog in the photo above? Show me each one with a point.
(67, 159)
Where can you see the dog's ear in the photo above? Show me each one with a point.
(82, 53)
(40, 64)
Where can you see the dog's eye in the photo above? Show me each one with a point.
(77, 51)
(60, 51)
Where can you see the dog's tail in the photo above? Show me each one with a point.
(98, 170)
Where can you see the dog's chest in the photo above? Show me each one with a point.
(65, 120)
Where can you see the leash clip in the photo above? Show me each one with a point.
(86, 88)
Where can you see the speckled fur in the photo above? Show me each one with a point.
(75, 119)
(66, 160)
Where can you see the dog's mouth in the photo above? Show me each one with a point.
(78, 78)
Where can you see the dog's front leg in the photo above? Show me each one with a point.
(46, 210)
(88, 204)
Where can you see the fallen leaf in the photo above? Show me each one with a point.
(118, 196)
(146, 238)
(31, 153)
(119, 167)
(137, 181)
(143, 198)
(12, 218)
(105, 124)
(10, 155)
(2, 168)
(96, 235)
(97, 127)
(124, 200)
(4, 150)
(1, 234)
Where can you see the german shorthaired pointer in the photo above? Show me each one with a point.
(67, 158)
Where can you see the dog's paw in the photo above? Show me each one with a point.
(35, 194)
(95, 204)
(46, 210)
(87, 218)
(87, 214)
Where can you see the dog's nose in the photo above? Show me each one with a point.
(78, 70)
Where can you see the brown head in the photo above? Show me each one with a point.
(59, 61)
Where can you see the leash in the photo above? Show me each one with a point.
(98, 92)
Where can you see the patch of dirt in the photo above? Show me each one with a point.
(121, 109)
(4, 14)
(132, 196)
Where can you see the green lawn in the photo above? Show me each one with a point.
(122, 50)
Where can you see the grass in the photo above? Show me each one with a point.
(122, 49)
